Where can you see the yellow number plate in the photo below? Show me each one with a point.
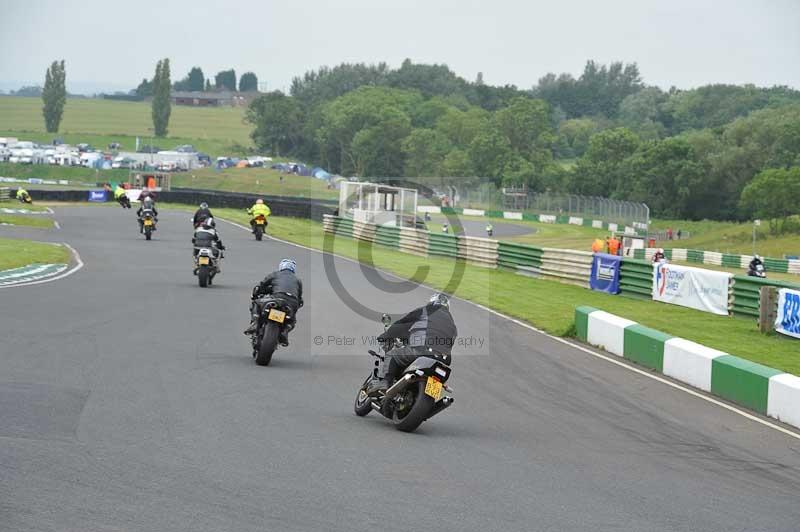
(433, 388)
(277, 315)
(260, 222)
(148, 222)
(202, 260)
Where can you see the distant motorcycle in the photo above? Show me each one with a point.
(415, 397)
(148, 223)
(274, 316)
(206, 266)
(259, 226)
(757, 271)
(124, 201)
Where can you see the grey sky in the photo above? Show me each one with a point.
(108, 45)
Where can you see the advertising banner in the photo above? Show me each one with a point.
(696, 288)
(788, 321)
(97, 195)
(605, 273)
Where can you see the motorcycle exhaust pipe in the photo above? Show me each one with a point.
(398, 387)
(441, 405)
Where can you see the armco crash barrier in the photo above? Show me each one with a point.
(747, 293)
(281, 206)
(760, 388)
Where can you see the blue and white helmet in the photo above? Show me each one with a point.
(288, 264)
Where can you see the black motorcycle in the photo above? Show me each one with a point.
(416, 396)
(757, 271)
(274, 316)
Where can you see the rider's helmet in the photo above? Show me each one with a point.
(288, 264)
(757, 257)
(259, 201)
(204, 205)
(439, 300)
(660, 250)
(147, 202)
(209, 223)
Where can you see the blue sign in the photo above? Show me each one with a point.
(605, 273)
(97, 195)
(788, 321)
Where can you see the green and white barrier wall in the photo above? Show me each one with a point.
(563, 265)
(714, 258)
(760, 388)
(543, 218)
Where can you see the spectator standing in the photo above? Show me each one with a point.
(597, 245)
(669, 233)
(679, 233)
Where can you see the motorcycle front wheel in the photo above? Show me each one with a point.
(363, 404)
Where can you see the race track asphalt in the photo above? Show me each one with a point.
(129, 402)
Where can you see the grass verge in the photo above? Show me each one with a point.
(40, 222)
(16, 253)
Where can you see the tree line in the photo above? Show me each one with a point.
(687, 153)
(195, 81)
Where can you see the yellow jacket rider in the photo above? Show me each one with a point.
(259, 209)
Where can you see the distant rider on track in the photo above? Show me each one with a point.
(259, 208)
(201, 214)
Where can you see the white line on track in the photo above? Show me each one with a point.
(570, 344)
(55, 222)
(78, 266)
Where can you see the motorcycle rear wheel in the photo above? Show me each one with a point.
(202, 276)
(259, 232)
(407, 420)
(269, 342)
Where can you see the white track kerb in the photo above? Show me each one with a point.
(760, 388)
(784, 389)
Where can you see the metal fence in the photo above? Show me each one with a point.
(479, 193)
(594, 207)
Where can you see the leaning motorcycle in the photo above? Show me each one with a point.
(758, 271)
(206, 266)
(274, 316)
(259, 226)
(148, 219)
(416, 396)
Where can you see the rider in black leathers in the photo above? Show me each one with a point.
(201, 214)
(206, 236)
(754, 264)
(428, 330)
(282, 284)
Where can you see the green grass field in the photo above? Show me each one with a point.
(730, 237)
(16, 253)
(254, 180)
(213, 130)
